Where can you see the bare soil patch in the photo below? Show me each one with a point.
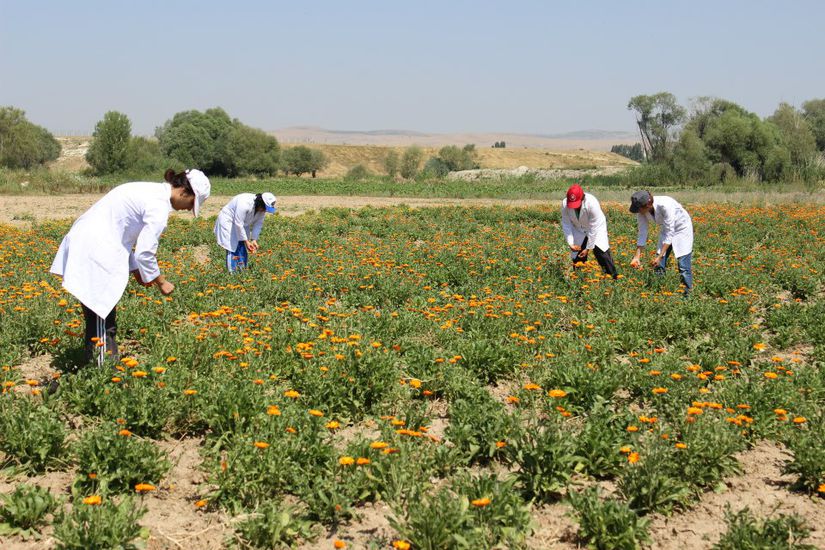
(761, 487)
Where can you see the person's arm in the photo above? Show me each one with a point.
(595, 220)
(641, 240)
(238, 219)
(255, 232)
(567, 228)
(146, 249)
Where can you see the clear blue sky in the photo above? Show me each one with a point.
(433, 66)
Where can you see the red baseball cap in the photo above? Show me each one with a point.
(574, 196)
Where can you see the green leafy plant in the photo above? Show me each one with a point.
(25, 510)
(31, 436)
(273, 525)
(100, 524)
(606, 524)
(746, 532)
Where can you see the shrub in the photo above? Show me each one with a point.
(411, 161)
(458, 159)
(359, 172)
(23, 144)
(273, 525)
(435, 168)
(110, 147)
(391, 162)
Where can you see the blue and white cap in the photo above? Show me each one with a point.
(269, 202)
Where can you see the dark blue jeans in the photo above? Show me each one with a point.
(685, 270)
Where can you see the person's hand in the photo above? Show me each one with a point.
(575, 248)
(252, 246)
(656, 261)
(139, 279)
(166, 288)
(583, 254)
(636, 262)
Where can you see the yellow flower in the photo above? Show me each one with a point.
(201, 503)
(780, 412)
(625, 450)
(659, 391)
(346, 461)
(292, 394)
(759, 346)
(681, 446)
(273, 410)
(633, 458)
(159, 370)
(481, 502)
(333, 425)
(362, 461)
(694, 411)
(93, 500)
(144, 487)
(415, 383)
(532, 387)
(400, 545)
(261, 444)
(379, 445)
(139, 374)
(557, 393)
(125, 433)
(190, 392)
(316, 412)
(771, 375)
(800, 420)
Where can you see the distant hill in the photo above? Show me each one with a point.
(592, 140)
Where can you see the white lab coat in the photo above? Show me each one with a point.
(676, 226)
(238, 221)
(591, 223)
(97, 254)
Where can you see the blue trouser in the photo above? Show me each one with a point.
(685, 270)
(238, 259)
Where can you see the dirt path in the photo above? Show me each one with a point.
(21, 211)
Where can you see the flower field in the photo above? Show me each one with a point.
(443, 371)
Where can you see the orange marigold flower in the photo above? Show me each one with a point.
(532, 387)
(190, 392)
(800, 420)
(379, 445)
(694, 411)
(780, 411)
(159, 370)
(771, 375)
(261, 444)
(315, 412)
(362, 461)
(415, 383)
(201, 503)
(633, 458)
(93, 500)
(481, 502)
(339, 544)
(92, 476)
(125, 433)
(400, 545)
(557, 393)
(333, 425)
(681, 446)
(821, 488)
(501, 444)
(292, 394)
(512, 399)
(625, 450)
(144, 487)
(273, 410)
(659, 391)
(346, 461)
(116, 379)
(633, 429)
(759, 346)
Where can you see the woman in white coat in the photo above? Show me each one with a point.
(585, 228)
(675, 235)
(119, 235)
(239, 225)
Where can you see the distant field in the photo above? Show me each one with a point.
(344, 157)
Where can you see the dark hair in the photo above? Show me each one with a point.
(178, 180)
(259, 202)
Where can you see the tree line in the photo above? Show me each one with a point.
(715, 140)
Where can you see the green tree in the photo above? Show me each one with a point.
(690, 157)
(411, 161)
(435, 167)
(145, 157)
(109, 150)
(359, 172)
(796, 134)
(814, 111)
(657, 116)
(318, 161)
(197, 139)
(391, 163)
(23, 144)
(249, 151)
(633, 152)
(297, 160)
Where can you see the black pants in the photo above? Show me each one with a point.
(100, 336)
(604, 257)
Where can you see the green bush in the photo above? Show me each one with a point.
(359, 172)
(300, 160)
(31, 435)
(103, 525)
(411, 162)
(391, 162)
(435, 168)
(249, 151)
(24, 510)
(273, 525)
(23, 144)
(746, 532)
